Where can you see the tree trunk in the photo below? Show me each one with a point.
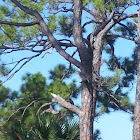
(90, 88)
(87, 117)
(136, 127)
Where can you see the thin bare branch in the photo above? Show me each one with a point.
(89, 11)
(65, 1)
(66, 73)
(11, 75)
(121, 36)
(12, 115)
(50, 110)
(46, 104)
(50, 52)
(28, 107)
(89, 22)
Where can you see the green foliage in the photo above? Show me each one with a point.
(14, 14)
(54, 128)
(85, 2)
(103, 6)
(66, 24)
(112, 97)
(4, 11)
(128, 29)
(3, 70)
(34, 86)
(58, 86)
(30, 32)
(46, 126)
(4, 92)
(128, 65)
(120, 3)
(110, 7)
(32, 5)
(7, 29)
(112, 81)
(52, 23)
(34, 93)
(109, 39)
(99, 4)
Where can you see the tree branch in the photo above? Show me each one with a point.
(89, 11)
(28, 107)
(89, 22)
(116, 102)
(66, 104)
(121, 36)
(48, 33)
(44, 105)
(19, 24)
(104, 24)
(65, 1)
(24, 8)
(115, 21)
(28, 59)
(11, 116)
(50, 110)
(56, 44)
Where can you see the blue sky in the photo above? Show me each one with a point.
(113, 126)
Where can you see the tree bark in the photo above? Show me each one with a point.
(136, 127)
(90, 85)
(87, 117)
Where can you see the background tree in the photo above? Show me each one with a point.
(22, 112)
(26, 115)
(38, 33)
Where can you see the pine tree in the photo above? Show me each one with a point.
(22, 112)
(33, 31)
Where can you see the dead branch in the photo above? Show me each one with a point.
(11, 116)
(50, 110)
(50, 52)
(67, 105)
(46, 104)
(28, 107)
(11, 75)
